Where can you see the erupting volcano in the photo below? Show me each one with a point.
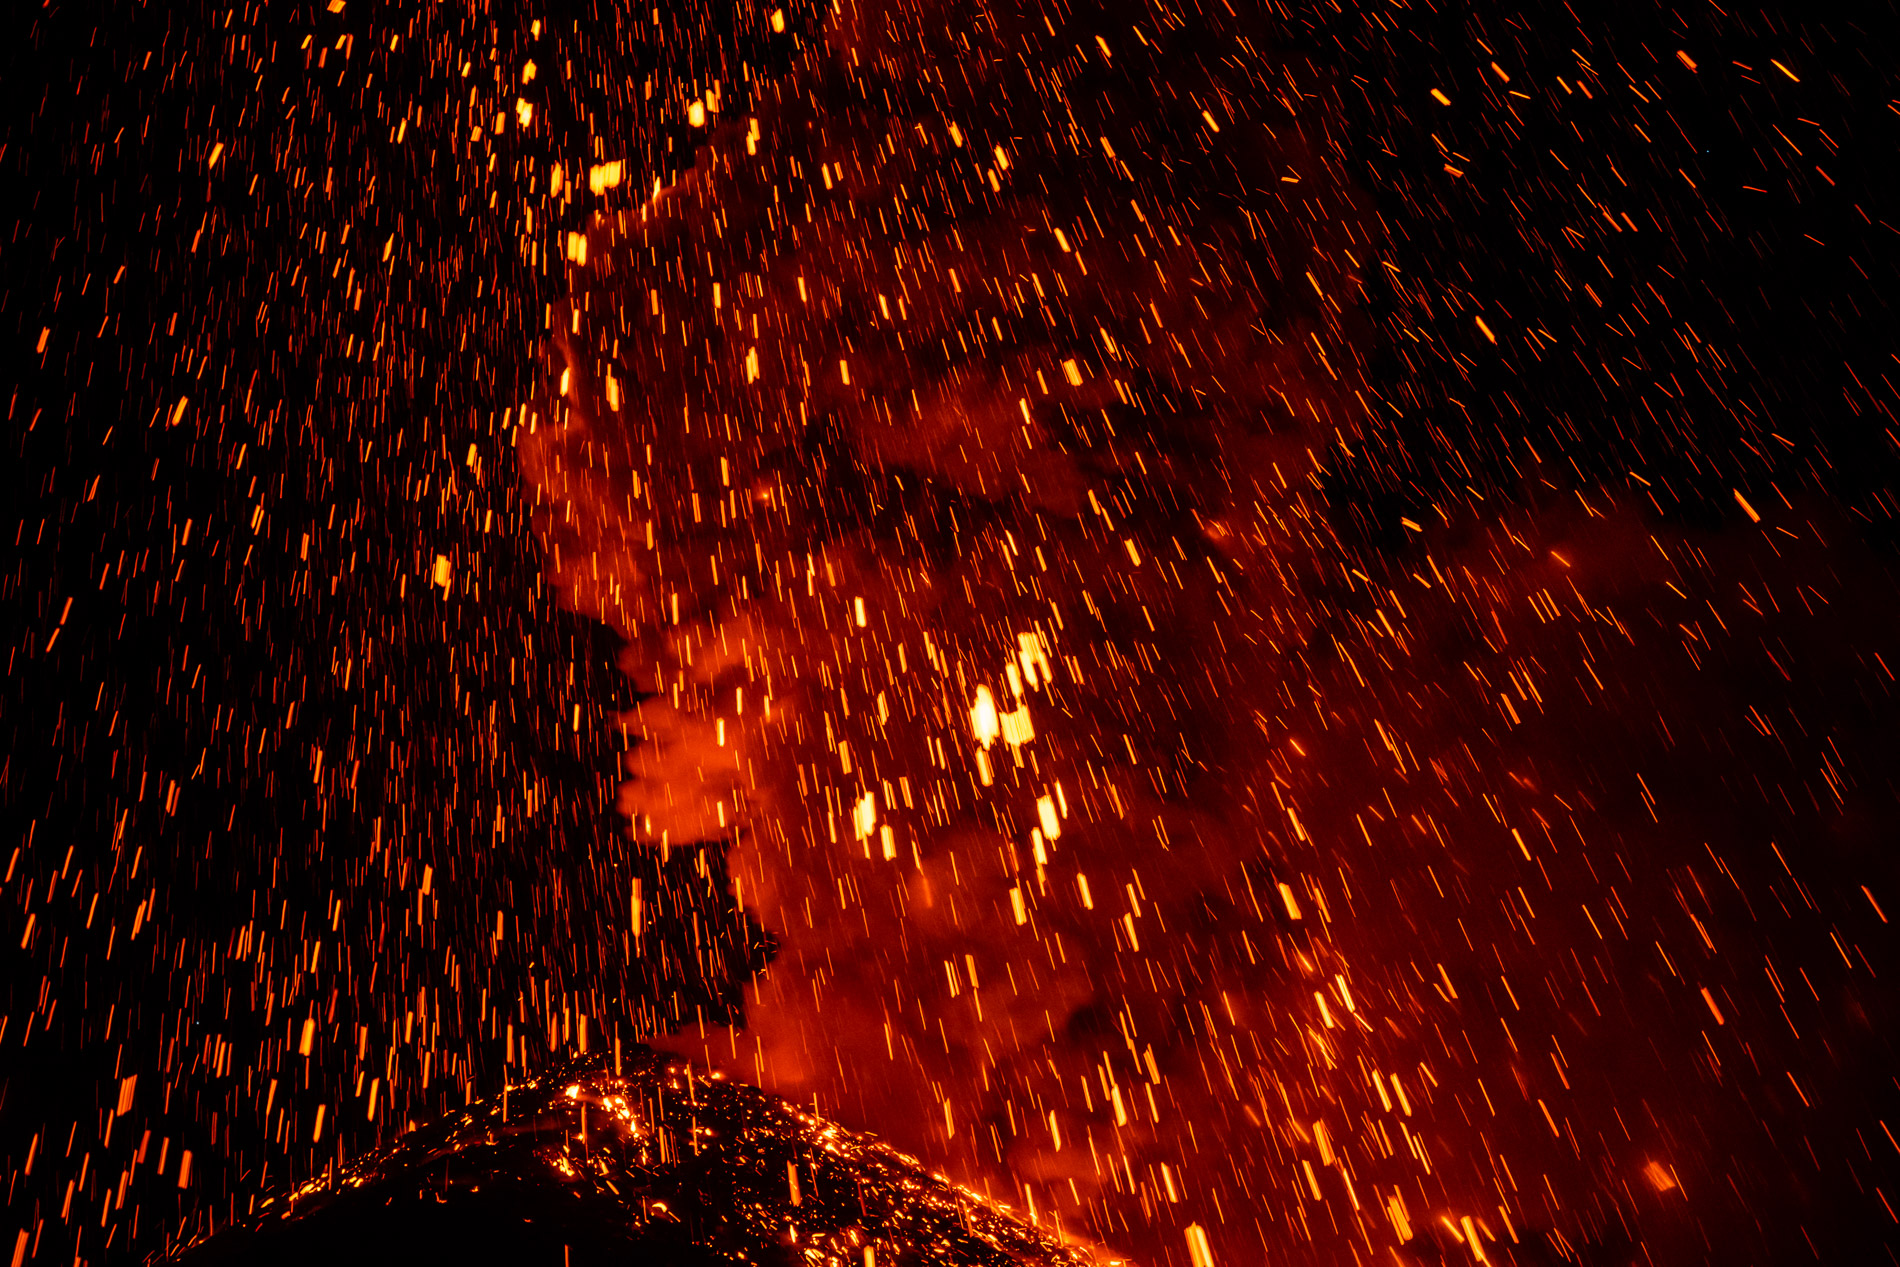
(1011, 633)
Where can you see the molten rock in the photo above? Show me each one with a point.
(657, 1164)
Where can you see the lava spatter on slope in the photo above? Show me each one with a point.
(587, 1165)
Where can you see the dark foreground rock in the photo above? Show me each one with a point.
(656, 1164)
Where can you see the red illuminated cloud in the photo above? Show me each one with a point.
(945, 446)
